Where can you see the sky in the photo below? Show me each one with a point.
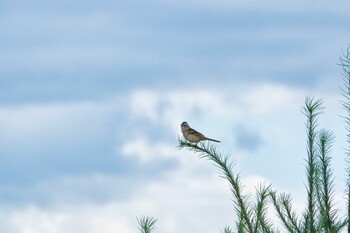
(92, 95)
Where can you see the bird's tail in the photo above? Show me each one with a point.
(212, 140)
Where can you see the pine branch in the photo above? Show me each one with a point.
(240, 224)
(283, 206)
(348, 200)
(311, 110)
(226, 168)
(146, 224)
(328, 215)
(262, 223)
(228, 229)
(345, 63)
(286, 202)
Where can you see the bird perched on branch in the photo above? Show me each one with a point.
(192, 135)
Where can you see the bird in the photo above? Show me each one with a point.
(193, 135)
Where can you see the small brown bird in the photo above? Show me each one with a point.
(192, 135)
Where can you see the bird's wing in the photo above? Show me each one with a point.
(193, 131)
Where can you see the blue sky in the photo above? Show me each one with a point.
(92, 95)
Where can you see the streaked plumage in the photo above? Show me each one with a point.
(193, 135)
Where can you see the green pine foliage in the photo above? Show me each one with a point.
(252, 218)
(146, 224)
(345, 63)
(311, 110)
(320, 215)
(228, 229)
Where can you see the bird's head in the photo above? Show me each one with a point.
(184, 125)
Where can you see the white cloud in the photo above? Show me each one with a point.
(183, 201)
(90, 219)
(145, 151)
(33, 220)
(144, 104)
(214, 108)
(52, 123)
(192, 198)
(269, 99)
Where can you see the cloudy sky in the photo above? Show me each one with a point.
(92, 95)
